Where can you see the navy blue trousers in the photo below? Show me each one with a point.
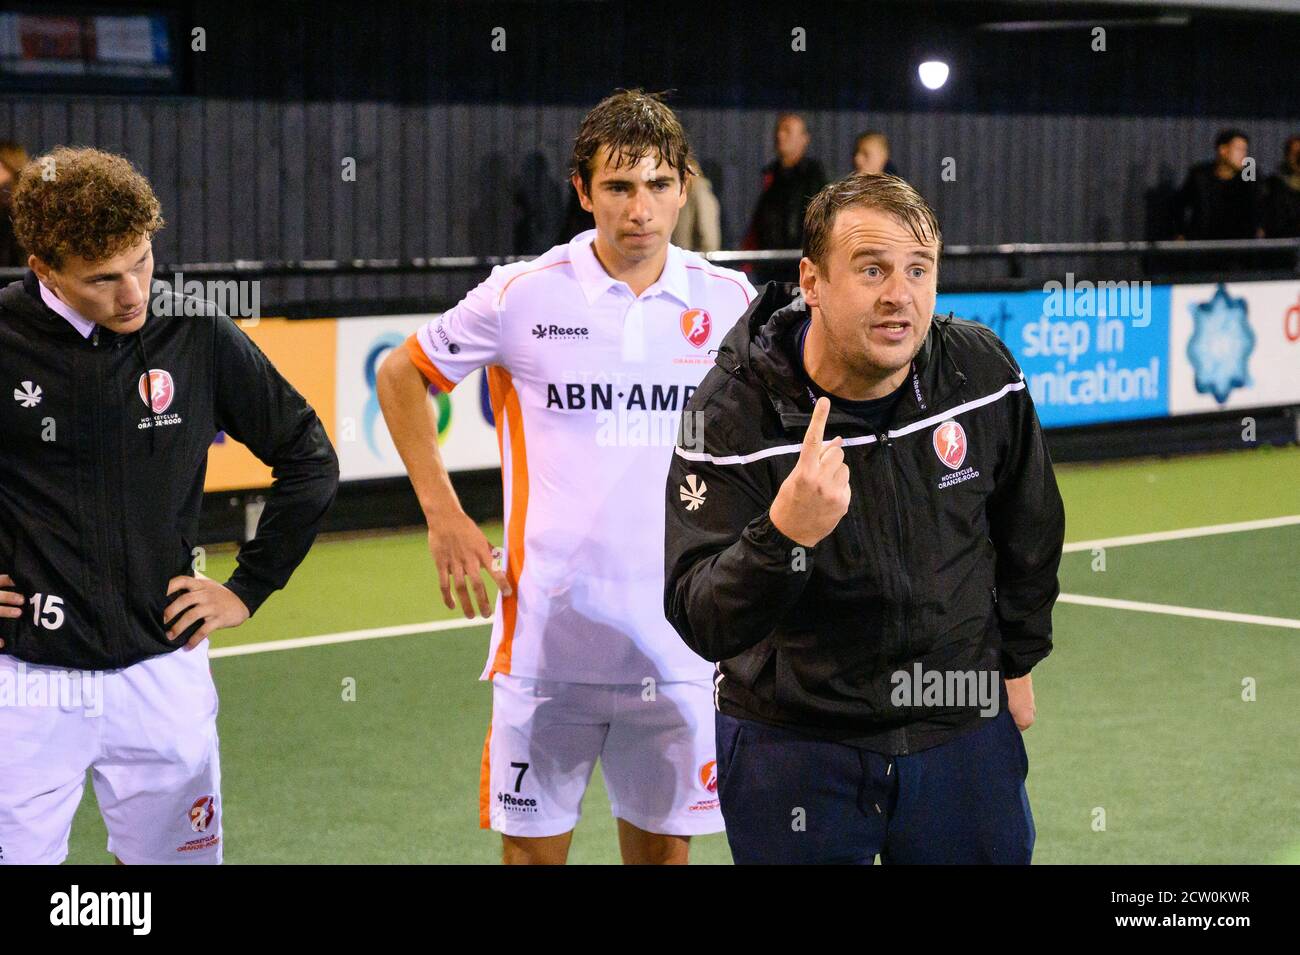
(789, 798)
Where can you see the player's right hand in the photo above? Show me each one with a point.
(462, 553)
(815, 496)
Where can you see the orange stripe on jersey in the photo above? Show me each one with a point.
(427, 368)
(506, 412)
(715, 275)
(501, 297)
(485, 782)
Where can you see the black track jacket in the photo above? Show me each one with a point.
(100, 492)
(947, 557)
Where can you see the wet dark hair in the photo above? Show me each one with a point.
(633, 124)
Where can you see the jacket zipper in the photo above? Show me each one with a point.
(123, 537)
(888, 445)
(109, 606)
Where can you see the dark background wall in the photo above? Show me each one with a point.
(1052, 141)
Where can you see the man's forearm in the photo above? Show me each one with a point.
(305, 479)
(724, 604)
(404, 398)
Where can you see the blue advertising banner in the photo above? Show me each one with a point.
(1091, 352)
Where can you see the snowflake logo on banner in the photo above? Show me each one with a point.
(1220, 345)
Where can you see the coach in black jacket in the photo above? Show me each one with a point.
(863, 529)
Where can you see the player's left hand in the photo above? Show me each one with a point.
(1020, 700)
(201, 599)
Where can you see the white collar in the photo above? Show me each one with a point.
(83, 325)
(595, 281)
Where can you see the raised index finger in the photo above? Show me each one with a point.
(812, 439)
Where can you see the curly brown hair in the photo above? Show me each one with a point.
(82, 202)
(632, 123)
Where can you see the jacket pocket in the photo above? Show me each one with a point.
(1018, 743)
(787, 688)
(726, 765)
(161, 573)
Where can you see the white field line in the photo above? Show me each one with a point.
(1184, 533)
(347, 636)
(1173, 611)
(350, 636)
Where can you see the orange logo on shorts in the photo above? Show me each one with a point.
(201, 813)
(709, 775)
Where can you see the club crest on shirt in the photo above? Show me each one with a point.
(949, 441)
(696, 325)
(163, 388)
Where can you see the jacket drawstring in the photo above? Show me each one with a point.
(148, 378)
(961, 377)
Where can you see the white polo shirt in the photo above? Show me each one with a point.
(587, 383)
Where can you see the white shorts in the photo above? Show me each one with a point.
(149, 734)
(655, 745)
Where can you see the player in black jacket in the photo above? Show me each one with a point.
(868, 594)
(103, 449)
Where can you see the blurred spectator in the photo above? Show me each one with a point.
(1215, 202)
(699, 226)
(1163, 207)
(539, 207)
(12, 159)
(871, 154)
(1281, 200)
(1162, 204)
(789, 183)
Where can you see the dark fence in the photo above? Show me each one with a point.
(1005, 266)
(263, 179)
(388, 502)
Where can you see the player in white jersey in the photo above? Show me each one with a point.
(591, 351)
